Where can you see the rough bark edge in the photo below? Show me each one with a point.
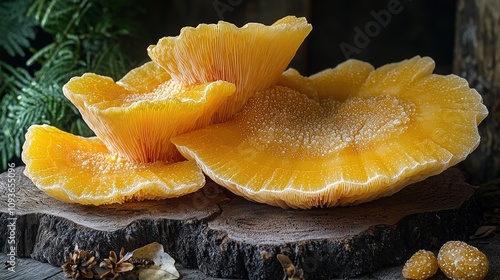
(379, 247)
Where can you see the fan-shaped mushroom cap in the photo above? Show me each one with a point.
(252, 57)
(354, 135)
(137, 116)
(83, 170)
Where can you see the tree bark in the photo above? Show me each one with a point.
(477, 58)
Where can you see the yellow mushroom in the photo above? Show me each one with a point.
(252, 57)
(132, 157)
(343, 136)
(136, 116)
(82, 170)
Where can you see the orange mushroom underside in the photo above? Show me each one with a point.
(251, 57)
(136, 118)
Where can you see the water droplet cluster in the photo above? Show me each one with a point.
(101, 163)
(288, 123)
(169, 89)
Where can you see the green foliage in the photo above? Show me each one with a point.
(15, 27)
(84, 36)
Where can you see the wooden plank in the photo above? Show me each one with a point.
(27, 268)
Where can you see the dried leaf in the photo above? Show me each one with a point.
(483, 232)
(163, 267)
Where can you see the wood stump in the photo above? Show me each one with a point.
(227, 236)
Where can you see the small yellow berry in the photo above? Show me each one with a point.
(459, 260)
(422, 265)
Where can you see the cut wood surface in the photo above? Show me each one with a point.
(228, 237)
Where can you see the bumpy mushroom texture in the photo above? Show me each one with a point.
(354, 135)
(252, 57)
(83, 170)
(136, 116)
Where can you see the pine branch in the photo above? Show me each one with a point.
(87, 37)
(16, 28)
(31, 102)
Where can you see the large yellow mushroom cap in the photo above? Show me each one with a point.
(136, 116)
(82, 170)
(343, 136)
(252, 57)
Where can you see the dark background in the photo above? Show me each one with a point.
(422, 27)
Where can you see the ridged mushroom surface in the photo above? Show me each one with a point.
(342, 136)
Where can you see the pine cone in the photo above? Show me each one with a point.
(80, 265)
(116, 267)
